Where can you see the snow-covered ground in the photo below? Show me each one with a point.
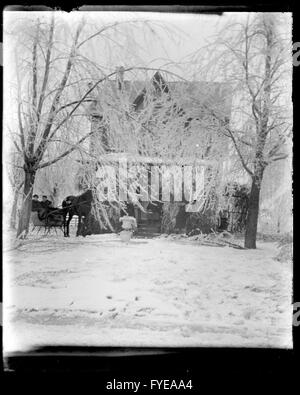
(150, 292)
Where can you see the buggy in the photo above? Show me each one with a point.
(51, 221)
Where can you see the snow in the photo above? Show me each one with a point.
(150, 292)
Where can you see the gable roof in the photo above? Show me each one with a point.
(160, 86)
(193, 97)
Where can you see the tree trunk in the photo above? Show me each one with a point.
(13, 214)
(252, 218)
(23, 226)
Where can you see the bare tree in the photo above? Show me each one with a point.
(58, 181)
(253, 56)
(52, 72)
(16, 179)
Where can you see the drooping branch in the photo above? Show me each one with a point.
(277, 146)
(88, 92)
(75, 146)
(100, 31)
(52, 112)
(231, 135)
(16, 144)
(72, 104)
(279, 157)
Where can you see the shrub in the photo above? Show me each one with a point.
(235, 202)
(201, 222)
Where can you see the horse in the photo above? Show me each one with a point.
(81, 206)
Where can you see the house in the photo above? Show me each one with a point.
(162, 124)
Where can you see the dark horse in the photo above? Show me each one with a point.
(77, 205)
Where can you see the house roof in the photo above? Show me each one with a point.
(136, 158)
(197, 96)
(194, 97)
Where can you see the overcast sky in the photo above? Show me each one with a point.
(178, 36)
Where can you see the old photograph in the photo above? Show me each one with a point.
(147, 179)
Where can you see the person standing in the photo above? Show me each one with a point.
(129, 225)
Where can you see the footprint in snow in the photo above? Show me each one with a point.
(186, 332)
(256, 289)
(239, 322)
(247, 315)
(146, 309)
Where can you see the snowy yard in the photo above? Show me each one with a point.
(151, 292)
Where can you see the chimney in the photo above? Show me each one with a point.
(120, 76)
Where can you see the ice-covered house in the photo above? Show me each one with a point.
(162, 124)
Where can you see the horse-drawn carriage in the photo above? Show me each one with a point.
(48, 218)
(60, 218)
(50, 221)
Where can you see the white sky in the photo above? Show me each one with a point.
(190, 33)
(178, 36)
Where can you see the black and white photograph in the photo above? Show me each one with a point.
(147, 179)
